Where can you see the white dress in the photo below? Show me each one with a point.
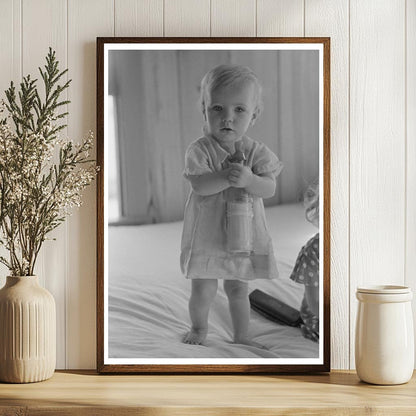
(203, 248)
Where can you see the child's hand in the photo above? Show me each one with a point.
(239, 176)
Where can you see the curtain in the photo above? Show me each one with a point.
(158, 116)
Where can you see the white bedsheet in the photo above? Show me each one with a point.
(148, 295)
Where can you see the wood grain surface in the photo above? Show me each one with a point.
(84, 392)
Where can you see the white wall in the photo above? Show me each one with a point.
(373, 132)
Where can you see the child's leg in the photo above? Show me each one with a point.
(237, 292)
(203, 293)
(312, 297)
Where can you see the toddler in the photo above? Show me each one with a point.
(306, 270)
(231, 103)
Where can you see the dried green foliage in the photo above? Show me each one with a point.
(41, 175)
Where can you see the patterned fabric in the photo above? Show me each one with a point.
(203, 248)
(306, 271)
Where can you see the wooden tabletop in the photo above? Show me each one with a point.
(86, 393)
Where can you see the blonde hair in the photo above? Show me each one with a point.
(311, 203)
(226, 75)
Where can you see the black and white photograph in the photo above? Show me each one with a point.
(212, 243)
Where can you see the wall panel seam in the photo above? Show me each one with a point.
(304, 18)
(210, 18)
(21, 40)
(65, 345)
(349, 185)
(405, 144)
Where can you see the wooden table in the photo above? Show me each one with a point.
(86, 393)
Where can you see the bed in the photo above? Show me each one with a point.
(148, 295)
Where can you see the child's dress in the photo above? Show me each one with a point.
(306, 271)
(203, 249)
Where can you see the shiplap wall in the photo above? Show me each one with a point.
(373, 132)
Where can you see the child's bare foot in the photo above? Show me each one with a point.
(195, 336)
(248, 341)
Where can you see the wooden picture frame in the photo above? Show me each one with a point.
(136, 303)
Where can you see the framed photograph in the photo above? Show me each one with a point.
(213, 216)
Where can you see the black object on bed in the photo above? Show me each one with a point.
(274, 309)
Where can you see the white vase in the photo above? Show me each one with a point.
(27, 331)
(384, 338)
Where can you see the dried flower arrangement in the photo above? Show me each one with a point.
(42, 176)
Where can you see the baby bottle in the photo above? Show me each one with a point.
(239, 212)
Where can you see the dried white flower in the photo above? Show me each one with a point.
(42, 176)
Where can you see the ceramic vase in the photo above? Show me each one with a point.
(27, 331)
(384, 340)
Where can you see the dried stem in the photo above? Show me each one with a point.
(37, 194)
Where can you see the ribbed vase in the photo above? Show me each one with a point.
(27, 331)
